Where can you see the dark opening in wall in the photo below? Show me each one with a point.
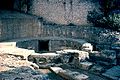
(43, 46)
(6, 4)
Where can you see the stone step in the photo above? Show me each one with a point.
(68, 74)
(8, 45)
(104, 55)
(24, 53)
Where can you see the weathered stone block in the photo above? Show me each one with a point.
(87, 47)
(68, 74)
(43, 58)
(103, 46)
(8, 45)
(81, 55)
(97, 69)
(73, 56)
(85, 65)
(23, 53)
(109, 54)
(94, 55)
(105, 55)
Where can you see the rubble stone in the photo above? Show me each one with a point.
(76, 54)
(43, 58)
(11, 62)
(85, 65)
(68, 74)
(97, 69)
(23, 53)
(22, 73)
(110, 54)
(87, 47)
(105, 56)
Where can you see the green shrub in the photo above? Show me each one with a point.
(111, 21)
(108, 15)
(94, 17)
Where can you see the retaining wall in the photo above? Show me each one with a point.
(25, 28)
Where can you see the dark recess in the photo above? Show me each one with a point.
(43, 46)
(6, 4)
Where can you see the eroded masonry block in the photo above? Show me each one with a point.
(8, 45)
(104, 55)
(85, 65)
(87, 47)
(73, 56)
(23, 73)
(109, 54)
(43, 58)
(68, 74)
(97, 69)
(71, 75)
(23, 53)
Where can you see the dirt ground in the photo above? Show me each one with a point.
(9, 62)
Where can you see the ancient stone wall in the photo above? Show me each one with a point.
(102, 38)
(29, 44)
(15, 28)
(31, 28)
(64, 11)
(59, 11)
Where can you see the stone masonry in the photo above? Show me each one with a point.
(59, 11)
(25, 27)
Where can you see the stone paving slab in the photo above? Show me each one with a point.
(8, 45)
(113, 73)
(17, 51)
(69, 75)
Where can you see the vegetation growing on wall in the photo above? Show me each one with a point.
(23, 5)
(109, 15)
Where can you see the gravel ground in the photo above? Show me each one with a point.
(14, 68)
(11, 68)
